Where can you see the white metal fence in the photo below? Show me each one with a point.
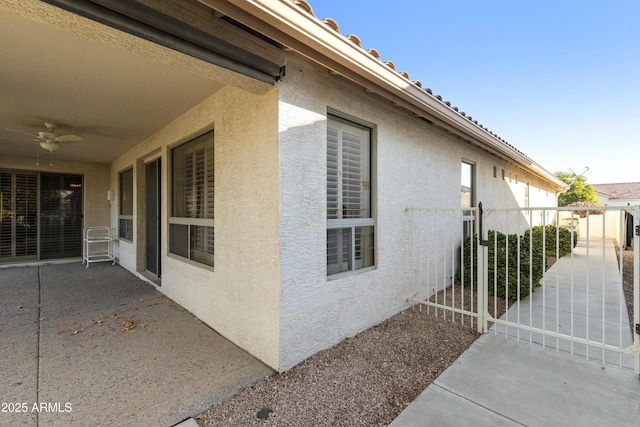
(545, 275)
(436, 255)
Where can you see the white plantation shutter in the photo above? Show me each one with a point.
(125, 218)
(199, 183)
(352, 175)
(333, 174)
(26, 211)
(191, 224)
(188, 200)
(6, 208)
(349, 220)
(210, 193)
(348, 171)
(18, 216)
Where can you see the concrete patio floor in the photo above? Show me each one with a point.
(97, 346)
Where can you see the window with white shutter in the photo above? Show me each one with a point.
(350, 224)
(191, 225)
(125, 218)
(18, 216)
(467, 195)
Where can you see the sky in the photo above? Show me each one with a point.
(559, 80)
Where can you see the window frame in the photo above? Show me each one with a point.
(202, 139)
(127, 233)
(472, 183)
(353, 224)
(468, 216)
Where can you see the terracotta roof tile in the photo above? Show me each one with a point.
(374, 53)
(355, 40)
(304, 5)
(624, 190)
(332, 24)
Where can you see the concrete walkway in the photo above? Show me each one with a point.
(99, 347)
(503, 380)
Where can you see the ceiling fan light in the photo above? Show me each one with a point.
(50, 145)
(47, 135)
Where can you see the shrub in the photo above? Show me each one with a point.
(549, 232)
(583, 213)
(504, 262)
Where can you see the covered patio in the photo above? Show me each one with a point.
(98, 346)
(100, 99)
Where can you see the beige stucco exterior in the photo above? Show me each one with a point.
(238, 297)
(268, 291)
(416, 164)
(95, 181)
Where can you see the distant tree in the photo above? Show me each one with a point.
(583, 214)
(578, 191)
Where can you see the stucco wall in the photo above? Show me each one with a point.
(417, 166)
(240, 297)
(605, 201)
(608, 224)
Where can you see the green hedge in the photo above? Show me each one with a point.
(549, 231)
(504, 261)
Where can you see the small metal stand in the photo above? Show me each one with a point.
(98, 245)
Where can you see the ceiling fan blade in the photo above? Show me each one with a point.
(69, 138)
(24, 133)
(17, 138)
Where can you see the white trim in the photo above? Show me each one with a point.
(333, 224)
(205, 222)
(344, 274)
(288, 24)
(191, 262)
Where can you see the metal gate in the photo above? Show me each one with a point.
(559, 277)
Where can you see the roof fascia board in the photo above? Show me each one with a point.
(309, 36)
(293, 27)
(149, 24)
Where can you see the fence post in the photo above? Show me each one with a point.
(636, 287)
(481, 273)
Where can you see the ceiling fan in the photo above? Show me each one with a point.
(49, 139)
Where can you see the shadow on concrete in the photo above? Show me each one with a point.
(97, 346)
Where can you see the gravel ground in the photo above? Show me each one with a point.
(366, 380)
(627, 280)
(369, 379)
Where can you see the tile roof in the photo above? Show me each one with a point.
(624, 190)
(304, 5)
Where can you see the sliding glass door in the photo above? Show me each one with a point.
(60, 216)
(40, 216)
(18, 216)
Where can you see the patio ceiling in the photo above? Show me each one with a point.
(112, 97)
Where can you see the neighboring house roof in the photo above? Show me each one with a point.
(293, 24)
(624, 190)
